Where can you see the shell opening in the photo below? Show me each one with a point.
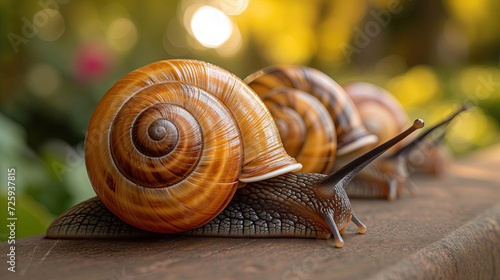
(365, 141)
(283, 170)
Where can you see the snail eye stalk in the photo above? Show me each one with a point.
(344, 175)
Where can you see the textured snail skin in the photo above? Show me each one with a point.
(384, 178)
(290, 205)
(283, 206)
(168, 144)
(429, 158)
(91, 219)
(351, 134)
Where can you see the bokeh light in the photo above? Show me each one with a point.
(232, 45)
(50, 24)
(210, 26)
(472, 130)
(480, 83)
(293, 47)
(230, 7)
(122, 34)
(416, 87)
(92, 61)
(174, 40)
(43, 79)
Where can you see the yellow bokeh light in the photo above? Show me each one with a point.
(417, 86)
(210, 26)
(122, 34)
(231, 7)
(468, 10)
(293, 47)
(50, 24)
(479, 83)
(334, 35)
(478, 19)
(473, 129)
(43, 80)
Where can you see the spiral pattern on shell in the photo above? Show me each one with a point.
(382, 114)
(169, 142)
(351, 134)
(305, 127)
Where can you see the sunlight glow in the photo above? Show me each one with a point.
(211, 27)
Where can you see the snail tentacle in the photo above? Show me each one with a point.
(345, 174)
(339, 242)
(361, 226)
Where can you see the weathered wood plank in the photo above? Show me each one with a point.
(422, 231)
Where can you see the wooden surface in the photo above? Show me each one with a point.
(450, 230)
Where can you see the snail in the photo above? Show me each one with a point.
(153, 172)
(291, 93)
(389, 175)
(384, 116)
(430, 157)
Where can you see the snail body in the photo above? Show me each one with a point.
(284, 206)
(430, 158)
(154, 172)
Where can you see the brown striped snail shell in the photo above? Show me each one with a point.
(351, 135)
(381, 113)
(305, 126)
(155, 170)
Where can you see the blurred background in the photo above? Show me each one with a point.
(58, 58)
